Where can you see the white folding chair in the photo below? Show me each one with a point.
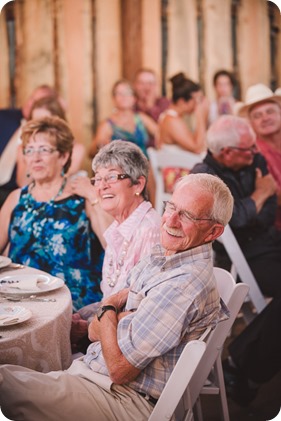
(169, 156)
(210, 362)
(240, 266)
(181, 375)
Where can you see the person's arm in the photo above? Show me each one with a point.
(78, 154)
(265, 186)
(5, 217)
(102, 137)
(150, 125)
(100, 220)
(105, 330)
(176, 130)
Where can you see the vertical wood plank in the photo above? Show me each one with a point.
(74, 62)
(151, 35)
(182, 39)
(253, 44)
(4, 63)
(108, 56)
(34, 46)
(217, 46)
(131, 37)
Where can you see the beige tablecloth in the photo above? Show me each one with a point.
(42, 342)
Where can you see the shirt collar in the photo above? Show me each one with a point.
(128, 227)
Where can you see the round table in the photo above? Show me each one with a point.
(41, 343)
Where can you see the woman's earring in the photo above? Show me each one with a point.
(137, 193)
(27, 175)
(62, 172)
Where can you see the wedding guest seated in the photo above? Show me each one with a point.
(46, 107)
(124, 123)
(148, 100)
(224, 84)
(43, 224)
(140, 332)
(233, 156)
(10, 122)
(173, 129)
(263, 109)
(120, 182)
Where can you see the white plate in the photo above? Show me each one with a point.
(12, 315)
(24, 284)
(4, 261)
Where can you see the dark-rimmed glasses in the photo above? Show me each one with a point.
(184, 215)
(42, 150)
(109, 179)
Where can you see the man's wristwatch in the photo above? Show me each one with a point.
(103, 309)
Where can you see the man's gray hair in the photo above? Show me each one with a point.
(226, 131)
(125, 155)
(223, 199)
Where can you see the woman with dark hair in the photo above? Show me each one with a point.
(224, 84)
(186, 99)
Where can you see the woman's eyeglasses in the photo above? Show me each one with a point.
(42, 150)
(109, 179)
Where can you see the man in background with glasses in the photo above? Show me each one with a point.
(139, 333)
(233, 156)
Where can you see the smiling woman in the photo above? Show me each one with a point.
(45, 225)
(120, 179)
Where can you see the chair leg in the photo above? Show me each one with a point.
(222, 393)
(198, 408)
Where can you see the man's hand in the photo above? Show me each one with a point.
(265, 186)
(117, 300)
(79, 329)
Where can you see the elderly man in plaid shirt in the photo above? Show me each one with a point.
(138, 333)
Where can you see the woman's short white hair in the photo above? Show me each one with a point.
(226, 131)
(223, 199)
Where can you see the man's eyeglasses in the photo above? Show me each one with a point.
(109, 179)
(42, 150)
(252, 148)
(184, 215)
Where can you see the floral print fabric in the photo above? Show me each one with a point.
(56, 237)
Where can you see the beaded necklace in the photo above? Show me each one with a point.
(113, 273)
(30, 207)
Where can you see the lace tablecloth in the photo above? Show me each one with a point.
(42, 342)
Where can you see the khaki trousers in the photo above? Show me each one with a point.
(27, 395)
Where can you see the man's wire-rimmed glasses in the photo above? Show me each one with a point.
(184, 215)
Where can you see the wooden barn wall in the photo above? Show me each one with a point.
(82, 47)
(5, 86)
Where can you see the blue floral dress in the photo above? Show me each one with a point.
(56, 237)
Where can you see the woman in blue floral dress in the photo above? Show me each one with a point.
(45, 225)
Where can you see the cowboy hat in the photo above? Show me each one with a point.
(256, 94)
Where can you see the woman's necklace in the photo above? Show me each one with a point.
(114, 271)
(30, 206)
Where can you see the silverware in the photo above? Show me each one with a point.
(17, 298)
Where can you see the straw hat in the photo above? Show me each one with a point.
(257, 94)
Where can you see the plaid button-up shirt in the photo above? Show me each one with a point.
(173, 299)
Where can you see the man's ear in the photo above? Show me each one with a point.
(214, 233)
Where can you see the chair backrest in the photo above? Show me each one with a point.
(169, 156)
(233, 295)
(178, 381)
(242, 268)
(191, 376)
